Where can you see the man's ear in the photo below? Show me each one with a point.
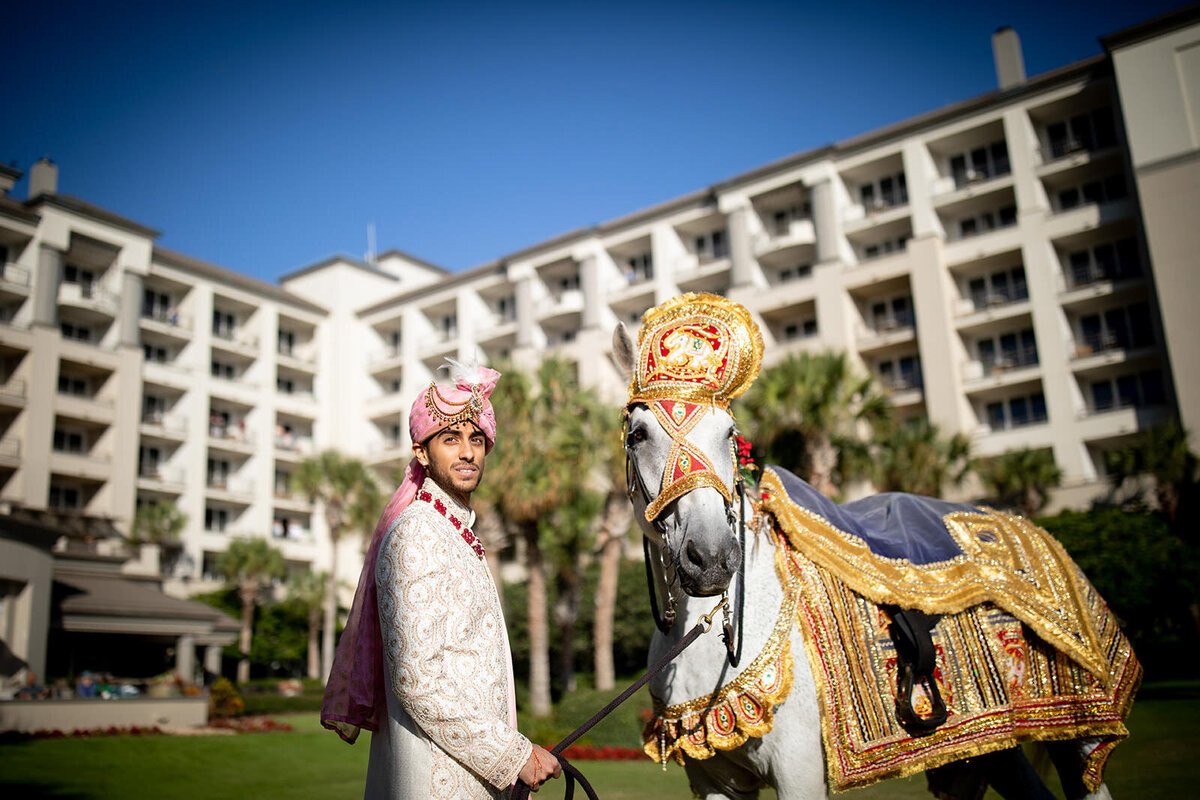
(421, 453)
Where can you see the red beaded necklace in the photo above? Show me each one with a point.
(462, 529)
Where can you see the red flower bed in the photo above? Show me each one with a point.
(81, 733)
(587, 752)
(250, 724)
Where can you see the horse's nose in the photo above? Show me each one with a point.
(700, 555)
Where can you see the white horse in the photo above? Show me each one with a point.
(695, 547)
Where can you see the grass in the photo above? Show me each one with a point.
(1157, 761)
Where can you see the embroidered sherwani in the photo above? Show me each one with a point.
(447, 665)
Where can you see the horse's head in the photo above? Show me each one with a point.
(682, 482)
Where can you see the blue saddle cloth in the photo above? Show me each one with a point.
(892, 524)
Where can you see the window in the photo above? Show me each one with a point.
(980, 164)
(782, 219)
(1116, 328)
(1089, 131)
(891, 314)
(794, 273)
(448, 325)
(1108, 261)
(148, 461)
(156, 305)
(568, 282)
(887, 191)
(285, 385)
(85, 278)
(74, 385)
(218, 472)
(900, 373)
(287, 342)
(639, 267)
(65, 498)
(282, 483)
(987, 221)
(67, 440)
(1104, 190)
(800, 330)
(223, 324)
(506, 310)
(75, 331)
(1016, 412)
(712, 245)
(998, 288)
(221, 369)
(155, 353)
(1015, 349)
(216, 520)
(154, 408)
(884, 247)
(1132, 390)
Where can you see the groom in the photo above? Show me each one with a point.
(433, 677)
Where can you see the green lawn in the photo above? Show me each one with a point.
(1157, 761)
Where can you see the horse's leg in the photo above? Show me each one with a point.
(719, 778)
(791, 757)
(1068, 759)
(1011, 775)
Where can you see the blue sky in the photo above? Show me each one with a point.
(265, 136)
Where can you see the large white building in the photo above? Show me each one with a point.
(1016, 267)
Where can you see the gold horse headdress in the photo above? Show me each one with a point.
(699, 348)
(694, 351)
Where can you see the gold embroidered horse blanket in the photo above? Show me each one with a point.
(1026, 650)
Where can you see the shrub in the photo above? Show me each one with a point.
(224, 700)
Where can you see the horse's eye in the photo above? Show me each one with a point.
(637, 435)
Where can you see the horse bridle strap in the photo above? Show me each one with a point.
(702, 626)
(687, 468)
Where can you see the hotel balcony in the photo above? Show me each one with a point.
(291, 447)
(560, 304)
(90, 303)
(886, 333)
(160, 426)
(14, 282)
(233, 491)
(10, 452)
(166, 324)
(94, 468)
(798, 233)
(157, 479)
(386, 360)
(235, 341)
(93, 410)
(1007, 369)
(14, 393)
(230, 439)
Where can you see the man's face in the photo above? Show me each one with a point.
(453, 457)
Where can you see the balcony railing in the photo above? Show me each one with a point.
(230, 433)
(14, 388)
(15, 274)
(1092, 343)
(974, 175)
(293, 443)
(999, 297)
(10, 447)
(1094, 273)
(89, 295)
(1013, 359)
(167, 317)
(891, 323)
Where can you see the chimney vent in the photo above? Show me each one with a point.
(43, 178)
(1010, 63)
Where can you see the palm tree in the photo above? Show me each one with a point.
(914, 457)
(615, 521)
(1161, 452)
(802, 410)
(307, 589)
(158, 523)
(249, 565)
(539, 464)
(351, 499)
(1021, 478)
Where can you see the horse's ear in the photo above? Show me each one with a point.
(624, 352)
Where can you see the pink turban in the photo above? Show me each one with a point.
(355, 696)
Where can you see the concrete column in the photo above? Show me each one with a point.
(741, 250)
(212, 659)
(525, 312)
(589, 281)
(1023, 156)
(131, 309)
(921, 172)
(938, 343)
(185, 657)
(45, 286)
(825, 222)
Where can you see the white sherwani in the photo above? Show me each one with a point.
(447, 665)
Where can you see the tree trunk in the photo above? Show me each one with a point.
(617, 511)
(539, 645)
(490, 530)
(567, 607)
(822, 460)
(330, 624)
(248, 594)
(314, 647)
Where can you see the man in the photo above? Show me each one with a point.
(424, 661)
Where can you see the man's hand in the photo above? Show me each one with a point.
(541, 766)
